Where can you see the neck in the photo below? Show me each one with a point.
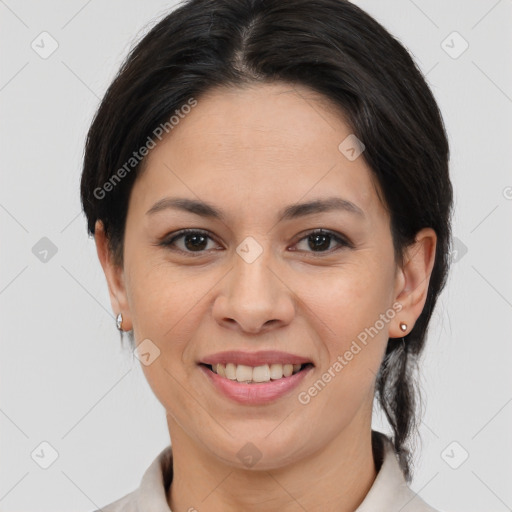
(203, 482)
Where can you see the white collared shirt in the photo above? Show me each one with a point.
(389, 492)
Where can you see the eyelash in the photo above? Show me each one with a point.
(343, 242)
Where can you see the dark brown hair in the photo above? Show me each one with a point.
(337, 50)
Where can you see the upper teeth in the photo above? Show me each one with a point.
(264, 373)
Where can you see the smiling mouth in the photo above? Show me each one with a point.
(256, 374)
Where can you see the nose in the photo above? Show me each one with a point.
(253, 298)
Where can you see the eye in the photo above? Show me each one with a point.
(199, 241)
(190, 240)
(321, 240)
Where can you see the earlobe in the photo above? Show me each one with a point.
(114, 275)
(413, 281)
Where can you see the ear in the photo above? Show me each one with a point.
(114, 275)
(412, 280)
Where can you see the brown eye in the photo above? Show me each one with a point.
(190, 241)
(322, 241)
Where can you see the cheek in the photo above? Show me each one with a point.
(348, 298)
(167, 304)
(165, 300)
(350, 308)
(351, 338)
(166, 307)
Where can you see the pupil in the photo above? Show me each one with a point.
(195, 242)
(319, 241)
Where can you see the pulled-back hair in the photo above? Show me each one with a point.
(337, 50)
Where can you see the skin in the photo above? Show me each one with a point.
(251, 152)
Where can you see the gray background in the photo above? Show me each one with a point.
(65, 379)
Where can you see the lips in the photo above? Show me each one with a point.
(255, 359)
(255, 378)
(254, 393)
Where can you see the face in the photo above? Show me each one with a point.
(288, 250)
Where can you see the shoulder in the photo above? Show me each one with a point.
(127, 503)
(152, 491)
(414, 503)
(390, 490)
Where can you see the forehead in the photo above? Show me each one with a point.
(262, 143)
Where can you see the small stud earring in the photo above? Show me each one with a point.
(119, 321)
(403, 326)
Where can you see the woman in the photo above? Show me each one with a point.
(267, 183)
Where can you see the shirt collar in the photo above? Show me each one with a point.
(389, 491)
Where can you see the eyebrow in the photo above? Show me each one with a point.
(293, 211)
